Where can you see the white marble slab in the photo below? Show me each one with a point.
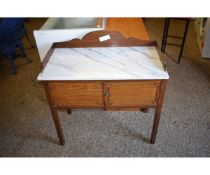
(104, 63)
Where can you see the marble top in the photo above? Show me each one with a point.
(104, 63)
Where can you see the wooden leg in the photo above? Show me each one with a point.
(155, 125)
(58, 126)
(158, 111)
(145, 110)
(55, 117)
(69, 111)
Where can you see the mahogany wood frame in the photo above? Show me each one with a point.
(92, 40)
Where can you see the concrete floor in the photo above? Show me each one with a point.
(27, 129)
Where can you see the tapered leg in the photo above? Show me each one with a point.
(54, 115)
(155, 125)
(158, 111)
(57, 125)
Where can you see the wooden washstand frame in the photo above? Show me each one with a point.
(101, 98)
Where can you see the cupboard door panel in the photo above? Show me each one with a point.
(77, 94)
(132, 93)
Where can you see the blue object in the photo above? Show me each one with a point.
(12, 32)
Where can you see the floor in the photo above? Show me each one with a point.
(27, 129)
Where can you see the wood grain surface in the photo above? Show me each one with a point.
(77, 94)
(129, 27)
(132, 94)
(92, 40)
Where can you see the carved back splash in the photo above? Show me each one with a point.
(92, 40)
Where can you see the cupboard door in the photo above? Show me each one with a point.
(131, 93)
(77, 94)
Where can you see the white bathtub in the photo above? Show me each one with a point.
(64, 29)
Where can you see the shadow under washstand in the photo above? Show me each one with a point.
(125, 131)
(39, 136)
